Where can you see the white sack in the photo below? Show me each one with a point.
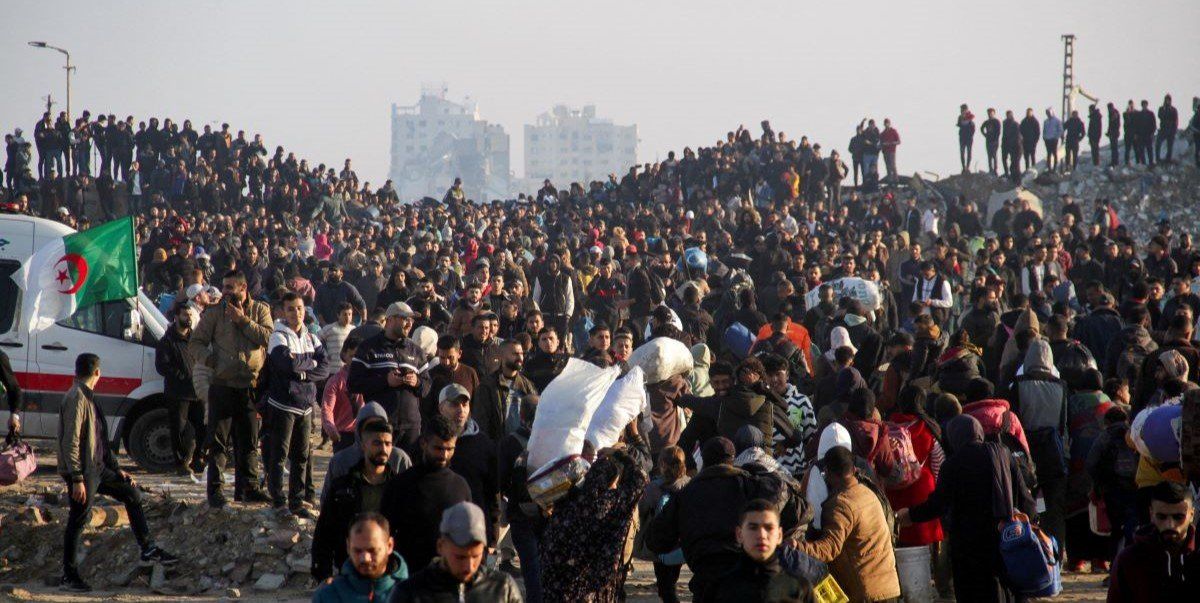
(662, 358)
(621, 405)
(565, 408)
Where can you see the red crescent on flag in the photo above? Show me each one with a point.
(81, 267)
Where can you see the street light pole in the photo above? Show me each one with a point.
(68, 67)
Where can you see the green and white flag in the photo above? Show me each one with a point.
(78, 270)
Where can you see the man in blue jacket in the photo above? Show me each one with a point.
(297, 362)
(372, 568)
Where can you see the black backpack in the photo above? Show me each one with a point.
(1019, 457)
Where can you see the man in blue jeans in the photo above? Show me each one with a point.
(87, 464)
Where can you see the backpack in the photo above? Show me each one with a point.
(906, 467)
(1048, 452)
(1019, 457)
(1073, 362)
(1129, 362)
(1030, 558)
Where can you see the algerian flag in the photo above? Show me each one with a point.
(79, 270)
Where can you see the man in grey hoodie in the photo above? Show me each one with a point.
(345, 460)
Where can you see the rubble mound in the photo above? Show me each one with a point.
(1142, 196)
(220, 550)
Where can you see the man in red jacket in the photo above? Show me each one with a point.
(1162, 563)
(889, 139)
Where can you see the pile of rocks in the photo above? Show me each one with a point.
(221, 551)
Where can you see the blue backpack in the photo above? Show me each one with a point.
(1030, 558)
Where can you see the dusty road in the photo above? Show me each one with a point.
(29, 554)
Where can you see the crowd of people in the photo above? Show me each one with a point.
(1148, 136)
(872, 371)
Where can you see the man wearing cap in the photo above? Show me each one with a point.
(415, 500)
(386, 370)
(449, 369)
(458, 573)
(475, 456)
(372, 568)
(360, 490)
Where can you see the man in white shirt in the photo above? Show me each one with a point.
(933, 293)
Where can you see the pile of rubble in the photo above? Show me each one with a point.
(1142, 196)
(221, 551)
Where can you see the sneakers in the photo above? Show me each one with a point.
(73, 584)
(154, 555)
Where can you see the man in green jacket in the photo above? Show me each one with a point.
(232, 339)
(88, 466)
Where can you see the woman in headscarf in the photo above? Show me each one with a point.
(979, 487)
(924, 434)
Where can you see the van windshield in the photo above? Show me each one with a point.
(10, 295)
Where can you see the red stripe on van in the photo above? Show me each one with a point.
(114, 386)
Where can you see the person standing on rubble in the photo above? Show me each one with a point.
(1075, 132)
(990, 128)
(1031, 131)
(1132, 147)
(966, 136)
(238, 329)
(89, 467)
(1147, 125)
(1010, 150)
(1095, 130)
(1114, 135)
(1168, 124)
(1194, 128)
(889, 139)
(1052, 133)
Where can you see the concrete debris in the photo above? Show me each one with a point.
(270, 582)
(220, 550)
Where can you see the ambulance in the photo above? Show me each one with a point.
(122, 332)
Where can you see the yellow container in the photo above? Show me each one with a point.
(828, 591)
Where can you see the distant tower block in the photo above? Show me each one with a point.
(1068, 75)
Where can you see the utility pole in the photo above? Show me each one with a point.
(1068, 74)
(69, 67)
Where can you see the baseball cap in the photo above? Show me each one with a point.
(399, 309)
(453, 391)
(463, 524)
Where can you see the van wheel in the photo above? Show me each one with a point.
(150, 441)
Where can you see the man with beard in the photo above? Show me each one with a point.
(238, 329)
(458, 572)
(415, 500)
(475, 457)
(350, 495)
(497, 406)
(373, 567)
(449, 369)
(385, 370)
(1160, 564)
(547, 361)
(480, 350)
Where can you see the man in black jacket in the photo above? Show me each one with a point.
(991, 139)
(497, 399)
(414, 502)
(1075, 132)
(12, 391)
(359, 491)
(335, 291)
(1114, 135)
(1147, 125)
(1031, 133)
(757, 575)
(547, 361)
(385, 370)
(1010, 146)
(1095, 131)
(458, 573)
(701, 518)
(474, 457)
(174, 362)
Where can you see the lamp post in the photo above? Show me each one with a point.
(69, 69)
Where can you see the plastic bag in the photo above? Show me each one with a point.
(621, 405)
(662, 358)
(565, 409)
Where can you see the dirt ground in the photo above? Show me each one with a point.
(30, 554)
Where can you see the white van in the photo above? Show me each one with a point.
(123, 333)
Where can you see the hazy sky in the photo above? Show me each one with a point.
(319, 77)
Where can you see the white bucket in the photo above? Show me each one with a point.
(916, 581)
